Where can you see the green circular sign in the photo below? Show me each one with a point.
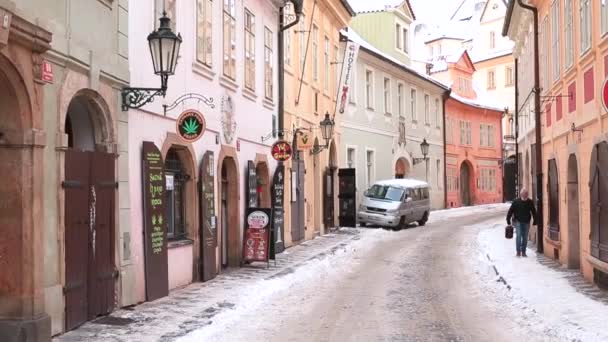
(191, 125)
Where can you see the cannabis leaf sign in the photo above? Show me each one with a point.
(191, 125)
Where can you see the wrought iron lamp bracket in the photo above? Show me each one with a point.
(134, 98)
(417, 161)
(201, 98)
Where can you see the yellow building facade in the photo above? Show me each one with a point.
(313, 61)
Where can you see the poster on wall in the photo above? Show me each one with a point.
(208, 228)
(256, 243)
(155, 225)
(278, 193)
(252, 185)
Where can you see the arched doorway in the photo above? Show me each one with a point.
(90, 189)
(598, 187)
(402, 168)
(229, 211)
(263, 174)
(573, 214)
(466, 173)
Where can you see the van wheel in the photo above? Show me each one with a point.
(402, 223)
(425, 218)
(362, 224)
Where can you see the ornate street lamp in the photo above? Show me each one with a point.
(164, 49)
(424, 147)
(327, 131)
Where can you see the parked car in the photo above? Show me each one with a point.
(395, 203)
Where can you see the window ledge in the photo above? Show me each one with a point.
(203, 70)
(250, 94)
(601, 265)
(179, 243)
(268, 103)
(228, 83)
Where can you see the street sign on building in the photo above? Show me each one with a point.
(281, 151)
(191, 125)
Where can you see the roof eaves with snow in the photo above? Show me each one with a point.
(493, 55)
(369, 48)
(383, 8)
(474, 103)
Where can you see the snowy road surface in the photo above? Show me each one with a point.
(417, 284)
(456, 279)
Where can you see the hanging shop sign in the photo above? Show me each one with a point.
(605, 95)
(346, 75)
(252, 185)
(191, 125)
(155, 225)
(281, 151)
(257, 235)
(305, 141)
(278, 213)
(208, 228)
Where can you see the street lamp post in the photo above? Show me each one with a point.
(164, 48)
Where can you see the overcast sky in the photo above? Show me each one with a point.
(426, 10)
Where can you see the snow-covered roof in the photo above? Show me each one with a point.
(356, 38)
(479, 102)
(441, 63)
(476, 58)
(366, 6)
(404, 183)
(468, 9)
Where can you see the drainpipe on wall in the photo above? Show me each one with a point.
(517, 179)
(281, 69)
(446, 96)
(539, 149)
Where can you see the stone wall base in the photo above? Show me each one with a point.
(26, 330)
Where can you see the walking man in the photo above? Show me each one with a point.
(522, 211)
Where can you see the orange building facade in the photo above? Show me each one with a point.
(473, 138)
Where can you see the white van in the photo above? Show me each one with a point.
(395, 203)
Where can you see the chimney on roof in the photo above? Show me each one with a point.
(429, 66)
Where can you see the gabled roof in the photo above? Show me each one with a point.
(441, 63)
(371, 6)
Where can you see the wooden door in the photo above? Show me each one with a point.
(90, 187)
(207, 229)
(599, 210)
(347, 194)
(328, 198)
(298, 201)
(465, 185)
(553, 189)
(77, 242)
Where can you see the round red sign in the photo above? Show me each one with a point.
(605, 95)
(191, 125)
(281, 151)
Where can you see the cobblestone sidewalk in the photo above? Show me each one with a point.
(194, 306)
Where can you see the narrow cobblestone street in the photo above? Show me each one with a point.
(454, 279)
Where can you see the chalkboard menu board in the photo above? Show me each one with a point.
(155, 225)
(252, 185)
(208, 228)
(278, 192)
(257, 234)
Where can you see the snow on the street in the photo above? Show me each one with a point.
(540, 299)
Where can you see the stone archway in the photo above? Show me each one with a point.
(229, 213)
(573, 214)
(402, 168)
(89, 192)
(466, 183)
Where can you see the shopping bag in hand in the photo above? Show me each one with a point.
(509, 232)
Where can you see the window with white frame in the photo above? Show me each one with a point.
(465, 132)
(387, 95)
(204, 38)
(509, 76)
(369, 89)
(405, 40)
(492, 40)
(555, 27)
(488, 180)
(315, 53)
(249, 27)
(326, 63)
(604, 16)
(229, 54)
(486, 135)
(400, 99)
(268, 65)
(437, 115)
(413, 95)
(398, 40)
(569, 32)
(585, 24)
(288, 12)
(492, 79)
(302, 42)
(370, 168)
(427, 109)
(544, 54)
(350, 157)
